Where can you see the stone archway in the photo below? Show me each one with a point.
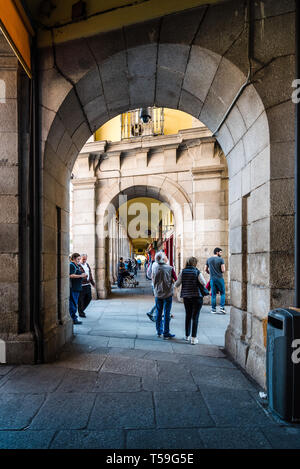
(200, 68)
(157, 187)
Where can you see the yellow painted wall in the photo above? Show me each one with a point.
(110, 131)
(174, 121)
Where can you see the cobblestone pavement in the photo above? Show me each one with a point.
(119, 386)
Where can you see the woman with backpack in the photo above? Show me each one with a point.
(192, 290)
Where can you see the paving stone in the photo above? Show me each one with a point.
(234, 438)
(121, 342)
(199, 349)
(122, 410)
(82, 329)
(155, 385)
(282, 437)
(112, 333)
(37, 379)
(64, 411)
(196, 363)
(91, 341)
(78, 381)
(131, 353)
(182, 438)
(181, 409)
(233, 407)
(222, 378)
(84, 439)
(157, 346)
(26, 439)
(129, 366)
(162, 356)
(114, 382)
(81, 361)
(17, 410)
(174, 373)
(5, 369)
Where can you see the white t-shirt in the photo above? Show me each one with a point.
(87, 271)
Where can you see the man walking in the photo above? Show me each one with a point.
(86, 292)
(215, 267)
(163, 291)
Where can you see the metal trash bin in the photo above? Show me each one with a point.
(283, 363)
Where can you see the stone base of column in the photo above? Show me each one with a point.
(102, 293)
(249, 356)
(17, 349)
(56, 339)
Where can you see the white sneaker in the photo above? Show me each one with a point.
(222, 311)
(194, 340)
(213, 311)
(187, 338)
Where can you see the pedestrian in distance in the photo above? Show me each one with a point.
(76, 276)
(163, 291)
(215, 267)
(191, 279)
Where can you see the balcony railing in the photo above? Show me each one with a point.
(133, 126)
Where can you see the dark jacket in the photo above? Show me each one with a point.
(84, 280)
(189, 279)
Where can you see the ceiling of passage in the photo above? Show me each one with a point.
(101, 16)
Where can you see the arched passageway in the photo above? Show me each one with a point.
(201, 68)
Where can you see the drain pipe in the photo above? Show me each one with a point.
(36, 221)
(297, 167)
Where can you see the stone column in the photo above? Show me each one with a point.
(84, 230)
(17, 345)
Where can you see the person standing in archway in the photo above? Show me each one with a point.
(86, 292)
(163, 291)
(215, 267)
(189, 279)
(76, 277)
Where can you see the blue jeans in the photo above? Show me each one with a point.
(163, 304)
(73, 303)
(217, 284)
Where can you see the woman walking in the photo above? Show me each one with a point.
(190, 278)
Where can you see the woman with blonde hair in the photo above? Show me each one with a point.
(190, 278)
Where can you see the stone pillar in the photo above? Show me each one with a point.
(9, 196)
(84, 230)
(17, 345)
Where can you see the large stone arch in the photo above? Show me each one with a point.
(158, 187)
(199, 68)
